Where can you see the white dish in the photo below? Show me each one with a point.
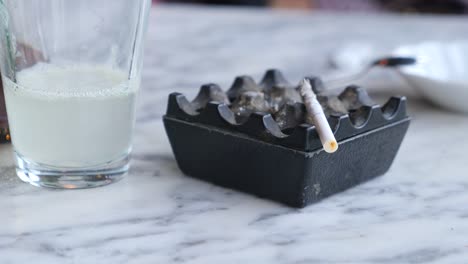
(440, 74)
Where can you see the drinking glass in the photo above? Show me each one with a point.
(71, 72)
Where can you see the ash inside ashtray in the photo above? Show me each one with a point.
(276, 96)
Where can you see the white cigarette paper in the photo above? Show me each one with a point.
(315, 111)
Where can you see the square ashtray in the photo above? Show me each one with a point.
(257, 138)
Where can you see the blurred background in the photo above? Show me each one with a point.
(407, 6)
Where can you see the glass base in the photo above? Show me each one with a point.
(71, 178)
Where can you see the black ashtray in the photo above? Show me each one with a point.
(255, 138)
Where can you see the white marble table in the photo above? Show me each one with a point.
(416, 213)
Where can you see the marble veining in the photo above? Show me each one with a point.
(416, 213)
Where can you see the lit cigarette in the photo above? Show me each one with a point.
(315, 111)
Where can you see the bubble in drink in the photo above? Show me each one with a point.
(71, 116)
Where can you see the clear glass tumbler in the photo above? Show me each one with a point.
(71, 71)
